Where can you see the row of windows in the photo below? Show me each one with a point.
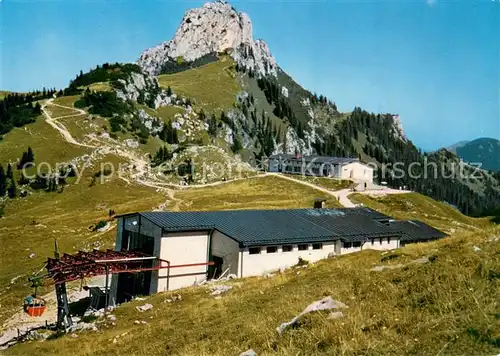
(284, 248)
(381, 240)
(352, 244)
(313, 170)
(358, 244)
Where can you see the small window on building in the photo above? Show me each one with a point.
(272, 249)
(318, 246)
(254, 250)
(287, 248)
(303, 247)
(347, 244)
(356, 244)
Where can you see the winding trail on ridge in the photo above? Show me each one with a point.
(141, 166)
(342, 195)
(59, 126)
(139, 163)
(22, 321)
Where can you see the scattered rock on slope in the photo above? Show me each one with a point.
(326, 303)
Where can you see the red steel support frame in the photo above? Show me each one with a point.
(66, 268)
(97, 263)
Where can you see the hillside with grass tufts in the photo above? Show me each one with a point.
(188, 128)
(445, 303)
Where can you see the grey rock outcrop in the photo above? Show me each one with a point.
(153, 124)
(294, 144)
(134, 85)
(214, 28)
(143, 87)
(398, 128)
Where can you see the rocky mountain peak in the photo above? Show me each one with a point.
(213, 28)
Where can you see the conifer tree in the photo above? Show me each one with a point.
(10, 173)
(212, 126)
(237, 146)
(12, 189)
(3, 182)
(30, 155)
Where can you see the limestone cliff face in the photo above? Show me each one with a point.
(215, 27)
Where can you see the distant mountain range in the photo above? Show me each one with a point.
(453, 148)
(482, 150)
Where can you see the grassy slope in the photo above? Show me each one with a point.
(56, 215)
(212, 86)
(31, 224)
(67, 100)
(4, 93)
(55, 211)
(445, 307)
(57, 111)
(82, 125)
(328, 183)
(102, 86)
(257, 193)
(426, 308)
(47, 144)
(420, 207)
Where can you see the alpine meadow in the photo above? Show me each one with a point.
(199, 201)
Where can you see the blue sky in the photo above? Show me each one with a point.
(435, 62)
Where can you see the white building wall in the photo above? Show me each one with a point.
(228, 249)
(358, 171)
(378, 244)
(182, 248)
(254, 265)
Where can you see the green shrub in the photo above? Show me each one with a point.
(100, 225)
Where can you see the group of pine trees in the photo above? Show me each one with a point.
(180, 65)
(385, 147)
(103, 103)
(17, 110)
(258, 127)
(101, 73)
(282, 107)
(8, 186)
(321, 99)
(169, 134)
(27, 158)
(162, 155)
(48, 182)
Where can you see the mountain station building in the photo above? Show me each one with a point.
(205, 245)
(321, 166)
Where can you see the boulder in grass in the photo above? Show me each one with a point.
(326, 303)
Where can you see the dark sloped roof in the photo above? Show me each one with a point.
(366, 212)
(317, 159)
(414, 230)
(267, 227)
